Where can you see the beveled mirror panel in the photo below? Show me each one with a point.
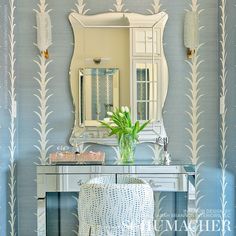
(118, 60)
(99, 93)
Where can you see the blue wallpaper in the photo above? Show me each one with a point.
(3, 116)
(61, 120)
(230, 117)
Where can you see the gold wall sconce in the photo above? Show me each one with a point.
(44, 32)
(191, 33)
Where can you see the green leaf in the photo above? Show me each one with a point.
(143, 125)
(128, 130)
(114, 131)
(136, 126)
(127, 114)
(105, 124)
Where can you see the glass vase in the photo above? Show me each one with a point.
(127, 148)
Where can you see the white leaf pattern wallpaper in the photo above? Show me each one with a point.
(156, 7)
(119, 6)
(194, 113)
(36, 112)
(43, 112)
(4, 111)
(43, 95)
(223, 113)
(12, 126)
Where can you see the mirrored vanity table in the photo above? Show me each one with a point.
(177, 177)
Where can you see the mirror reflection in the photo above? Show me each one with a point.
(146, 91)
(99, 93)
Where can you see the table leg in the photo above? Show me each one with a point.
(41, 217)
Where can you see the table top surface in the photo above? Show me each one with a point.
(117, 163)
(187, 167)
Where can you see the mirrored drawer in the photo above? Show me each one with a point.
(166, 182)
(77, 169)
(159, 169)
(112, 169)
(72, 182)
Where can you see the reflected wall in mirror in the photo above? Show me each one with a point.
(128, 46)
(99, 93)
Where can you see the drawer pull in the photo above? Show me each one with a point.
(154, 185)
(80, 182)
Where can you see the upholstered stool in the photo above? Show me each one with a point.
(107, 208)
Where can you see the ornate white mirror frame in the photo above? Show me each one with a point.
(140, 58)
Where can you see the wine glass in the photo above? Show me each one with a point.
(62, 150)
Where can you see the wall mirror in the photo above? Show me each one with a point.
(118, 60)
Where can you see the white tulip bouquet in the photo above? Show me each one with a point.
(119, 123)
